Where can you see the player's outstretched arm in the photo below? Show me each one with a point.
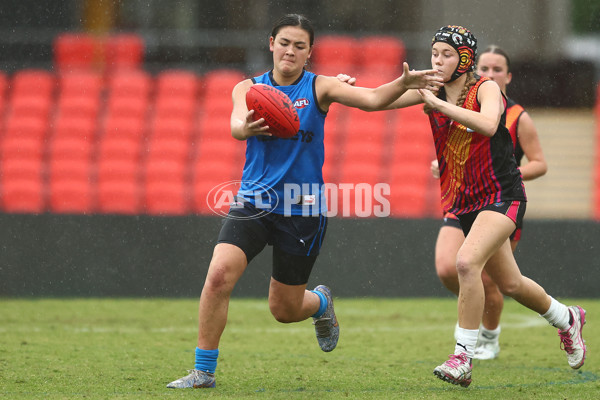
(332, 90)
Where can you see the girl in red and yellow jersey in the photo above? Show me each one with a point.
(481, 183)
(493, 63)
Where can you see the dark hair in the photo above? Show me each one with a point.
(294, 20)
(497, 50)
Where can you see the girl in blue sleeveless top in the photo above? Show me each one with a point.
(280, 201)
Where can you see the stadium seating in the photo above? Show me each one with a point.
(77, 51)
(177, 83)
(123, 51)
(119, 187)
(334, 54)
(84, 51)
(35, 82)
(80, 83)
(103, 135)
(381, 53)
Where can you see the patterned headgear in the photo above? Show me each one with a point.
(463, 41)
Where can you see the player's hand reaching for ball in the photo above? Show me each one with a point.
(427, 79)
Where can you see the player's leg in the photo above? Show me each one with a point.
(240, 240)
(449, 240)
(289, 301)
(295, 248)
(486, 233)
(225, 269)
(488, 342)
(503, 269)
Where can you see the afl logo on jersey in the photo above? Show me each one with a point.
(301, 103)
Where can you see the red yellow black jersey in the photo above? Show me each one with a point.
(513, 114)
(475, 170)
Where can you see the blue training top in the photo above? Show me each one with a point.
(285, 176)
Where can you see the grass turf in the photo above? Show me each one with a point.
(131, 348)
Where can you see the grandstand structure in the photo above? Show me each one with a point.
(99, 134)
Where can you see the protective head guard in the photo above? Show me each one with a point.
(463, 41)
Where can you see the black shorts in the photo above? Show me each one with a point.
(515, 210)
(296, 239)
(452, 221)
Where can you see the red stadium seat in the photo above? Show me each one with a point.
(177, 83)
(334, 54)
(118, 170)
(76, 51)
(220, 83)
(124, 127)
(129, 83)
(119, 197)
(71, 197)
(124, 51)
(3, 91)
(166, 198)
(116, 148)
(173, 128)
(3, 84)
(78, 127)
(165, 170)
(76, 170)
(25, 106)
(364, 172)
(71, 148)
(336, 49)
(23, 168)
(16, 147)
(169, 149)
(381, 52)
(81, 83)
(23, 196)
(31, 127)
(128, 107)
(36, 82)
(87, 107)
(175, 107)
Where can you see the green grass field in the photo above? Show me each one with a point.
(131, 348)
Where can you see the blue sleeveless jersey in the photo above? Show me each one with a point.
(285, 176)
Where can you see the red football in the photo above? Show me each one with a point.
(275, 107)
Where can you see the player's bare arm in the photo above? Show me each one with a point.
(242, 124)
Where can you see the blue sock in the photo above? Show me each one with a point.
(323, 304)
(206, 360)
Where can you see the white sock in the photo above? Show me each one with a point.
(489, 334)
(466, 339)
(557, 315)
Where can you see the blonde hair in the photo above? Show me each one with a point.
(469, 82)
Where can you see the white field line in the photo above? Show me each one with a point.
(510, 322)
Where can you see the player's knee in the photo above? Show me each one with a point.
(446, 271)
(510, 287)
(217, 280)
(281, 312)
(465, 266)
